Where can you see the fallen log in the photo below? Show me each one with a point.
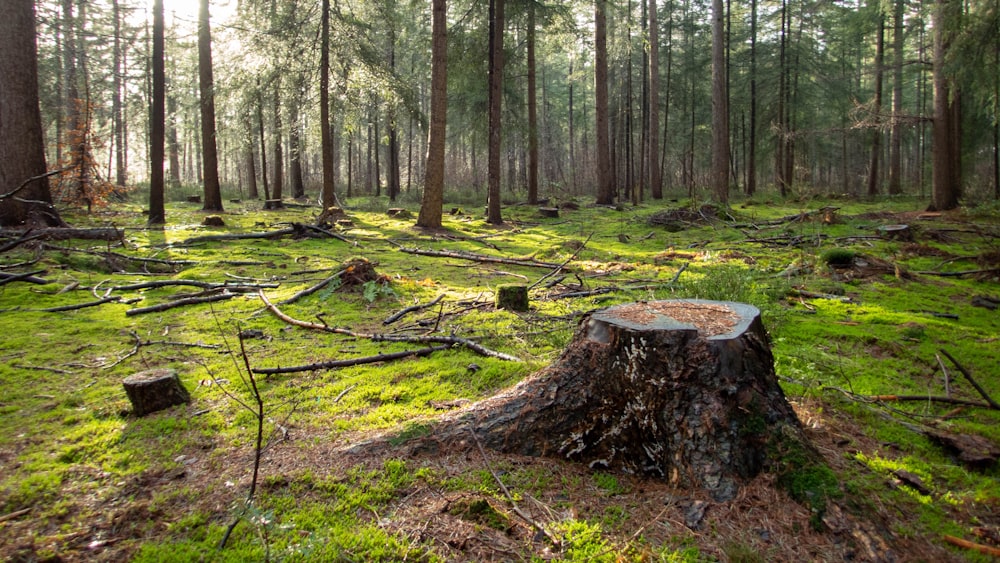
(179, 303)
(28, 277)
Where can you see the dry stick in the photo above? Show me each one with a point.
(344, 392)
(26, 237)
(987, 549)
(510, 498)
(559, 268)
(193, 283)
(985, 395)
(479, 258)
(947, 379)
(930, 398)
(25, 277)
(331, 364)
(15, 514)
(962, 273)
(311, 290)
(179, 303)
(400, 314)
(101, 301)
(453, 340)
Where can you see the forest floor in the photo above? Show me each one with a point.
(862, 314)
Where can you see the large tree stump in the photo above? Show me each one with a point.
(154, 390)
(683, 390)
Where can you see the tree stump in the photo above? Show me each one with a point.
(512, 297)
(683, 390)
(552, 212)
(213, 221)
(273, 204)
(154, 390)
(896, 232)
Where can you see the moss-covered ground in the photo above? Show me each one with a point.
(851, 315)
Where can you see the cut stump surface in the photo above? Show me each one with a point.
(683, 390)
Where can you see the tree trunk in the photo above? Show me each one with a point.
(896, 130)
(24, 188)
(206, 87)
(874, 175)
(116, 102)
(329, 197)
(720, 107)
(157, 214)
(433, 198)
(653, 152)
(605, 182)
(278, 172)
(495, 96)
(944, 174)
(681, 390)
(751, 187)
(532, 111)
(295, 140)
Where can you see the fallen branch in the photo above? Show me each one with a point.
(510, 498)
(927, 398)
(296, 229)
(559, 268)
(15, 514)
(26, 236)
(309, 291)
(961, 273)
(332, 364)
(342, 393)
(987, 549)
(814, 295)
(25, 277)
(400, 314)
(481, 258)
(179, 303)
(67, 233)
(237, 287)
(985, 395)
(590, 293)
(84, 305)
(427, 339)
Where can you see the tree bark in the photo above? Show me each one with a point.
(874, 174)
(532, 111)
(329, 197)
(432, 202)
(24, 186)
(653, 150)
(605, 182)
(946, 189)
(155, 390)
(493, 215)
(720, 106)
(681, 390)
(896, 126)
(206, 87)
(157, 214)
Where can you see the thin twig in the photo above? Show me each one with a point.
(559, 268)
(985, 395)
(309, 291)
(419, 306)
(331, 364)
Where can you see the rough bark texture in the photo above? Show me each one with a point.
(206, 86)
(433, 197)
(641, 390)
(512, 297)
(154, 390)
(605, 181)
(22, 149)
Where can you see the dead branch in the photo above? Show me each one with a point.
(530, 263)
(25, 277)
(67, 233)
(559, 268)
(179, 303)
(591, 293)
(332, 364)
(788, 218)
(101, 301)
(510, 498)
(309, 291)
(342, 393)
(987, 549)
(926, 398)
(426, 339)
(965, 372)
(25, 237)
(296, 229)
(120, 256)
(420, 306)
(15, 514)
(795, 292)
(961, 273)
(236, 287)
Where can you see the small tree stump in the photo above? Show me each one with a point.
(512, 297)
(273, 204)
(896, 232)
(194, 199)
(683, 390)
(552, 212)
(213, 221)
(398, 213)
(154, 390)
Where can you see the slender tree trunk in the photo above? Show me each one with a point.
(653, 154)
(572, 130)
(295, 139)
(605, 183)
(116, 101)
(22, 145)
(173, 144)
(532, 111)
(279, 162)
(157, 214)
(495, 95)
(874, 174)
(751, 187)
(263, 143)
(393, 164)
(720, 106)
(896, 131)
(326, 135)
(206, 84)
